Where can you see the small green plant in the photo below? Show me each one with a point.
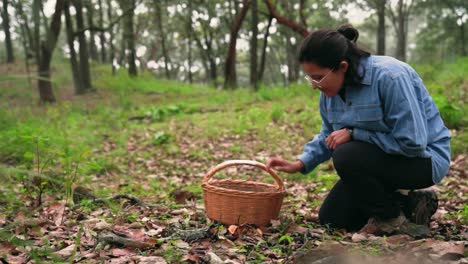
(161, 138)
(276, 113)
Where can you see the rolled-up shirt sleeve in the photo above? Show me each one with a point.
(316, 151)
(403, 114)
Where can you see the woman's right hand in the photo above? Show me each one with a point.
(284, 165)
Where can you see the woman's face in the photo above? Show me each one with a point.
(328, 81)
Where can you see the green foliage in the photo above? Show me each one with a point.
(161, 138)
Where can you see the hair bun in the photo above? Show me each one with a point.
(349, 32)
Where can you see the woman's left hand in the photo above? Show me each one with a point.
(337, 138)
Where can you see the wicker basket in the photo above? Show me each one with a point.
(236, 202)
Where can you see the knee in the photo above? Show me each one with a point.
(343, 157)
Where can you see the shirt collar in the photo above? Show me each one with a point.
(365, 68)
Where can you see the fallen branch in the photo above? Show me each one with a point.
(114, 239)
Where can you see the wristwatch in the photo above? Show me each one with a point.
(350, 131)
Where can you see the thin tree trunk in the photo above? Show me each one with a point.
(92, 44)
(230, 64)
(253, 46)
(129, 37)
(46, 92)
(102, 38)
(73, 60)
(401, 40)
(162, 36)
(111, 38)
(189, 42)
(205, 57)
(24, 42)
(24, 23)
(84, 62)
(301, 13)
(381, 27)
(6, 29)
(37, 5)
(265, 45)
(462, 39)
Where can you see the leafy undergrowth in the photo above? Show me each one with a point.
(115, 176)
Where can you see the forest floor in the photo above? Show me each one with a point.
(115, 176)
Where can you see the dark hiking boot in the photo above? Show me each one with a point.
(377, 226)
(420, 206)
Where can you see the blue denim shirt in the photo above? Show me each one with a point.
(392, 109)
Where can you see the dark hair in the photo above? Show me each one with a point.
(327, 48)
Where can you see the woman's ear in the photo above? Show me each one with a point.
(343, 66)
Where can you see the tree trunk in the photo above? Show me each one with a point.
(230, 64)
(381, 27)
(92, 44)
(265, 45)
(46, 92)
(301, 13)
(102, 38)
(25, 44)
(462, 39)
(84, 62)
(6, 29)
(162, 38)
(73, 60)
(129, 36)
(401, 38)
(24, 24)
(37, 6)
(111, 38)
(253, 46)
(189, 42)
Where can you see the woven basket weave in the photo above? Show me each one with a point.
(236, 202)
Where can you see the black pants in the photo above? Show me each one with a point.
(369, 178)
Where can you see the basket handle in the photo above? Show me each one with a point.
(231, 163)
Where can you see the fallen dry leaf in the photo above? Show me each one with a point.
(448, 250)
(298, 229)
(357, 237)
(119, 252)
(66, 252)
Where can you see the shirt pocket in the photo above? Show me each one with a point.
(368, 113)
(335, 118)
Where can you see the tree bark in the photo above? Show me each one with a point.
(102, 38)
(189, 42)
(24, 24)
(400, 19)
(253, 46)
(301, 13)
(162, 38)
(230, 64)
(111, 38)
(265, 45)
(24, 42)
(282, 20)
(129, 36)
(92, 44)
(46, 92)
(84, 56)
(381, 27)
(37, 6)
(75, 69)
(6, 28)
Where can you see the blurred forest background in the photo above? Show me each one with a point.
(111, 112)
(223, 43)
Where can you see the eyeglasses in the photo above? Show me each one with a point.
(315, 82)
